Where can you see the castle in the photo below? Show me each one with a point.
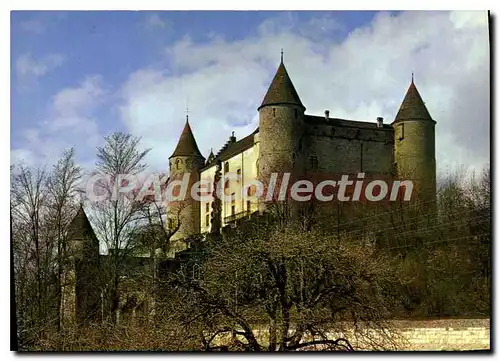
(289, 140)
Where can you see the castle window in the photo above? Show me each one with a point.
(402, 132)
(172, 224)
(274, 112)
(233, 209)
(207, 207)
(196, 272)
(238, 173)
(314, 162)
(252, 190)
(207, 220)
(178, 164)
(226, 167)
(249, 204)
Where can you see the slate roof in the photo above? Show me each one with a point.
(313, 119)
(412, 107)
(232, 148)
(281, 90)
(80, 223)
(187, 144)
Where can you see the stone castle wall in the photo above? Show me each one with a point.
(348, 150)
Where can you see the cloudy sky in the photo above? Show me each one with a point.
(78, 76)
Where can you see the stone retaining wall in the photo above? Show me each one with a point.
(451, 334)
(412, 335)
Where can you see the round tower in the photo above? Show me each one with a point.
(186, 161)
(415, 147)
(281, 127)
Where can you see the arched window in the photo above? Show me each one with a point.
(178, 164)
(251, 190)
(196, 272)
(226, 167)
(274, 112)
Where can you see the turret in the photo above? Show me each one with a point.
(81, 279)
(82, 242)
(211, 156)
(186, 159)
(281, 127)
(414, 146)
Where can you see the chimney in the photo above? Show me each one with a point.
(380, 122)
(327, 114)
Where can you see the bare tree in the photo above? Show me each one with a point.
(32, 250)
(62, 188)
(299, 287)
(115, 217)
(154, 235)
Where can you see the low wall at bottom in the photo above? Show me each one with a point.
(411, 335)
(445, 334)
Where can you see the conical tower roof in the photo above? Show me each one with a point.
(211, 156)
(413, 107)
(281, 91)
(187, 144)
(80, 223)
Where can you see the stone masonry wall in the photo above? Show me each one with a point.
(409, 335)
(454, 334)
(348, 150)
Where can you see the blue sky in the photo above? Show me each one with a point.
(78, 76)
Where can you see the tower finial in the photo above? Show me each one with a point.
(282, 55)
(412, 77)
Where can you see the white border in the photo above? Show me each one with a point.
(184, 5)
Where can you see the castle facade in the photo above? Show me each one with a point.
(289, 140)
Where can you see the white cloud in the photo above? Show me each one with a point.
(362, 77)
(26, 65)
(71, 101)
(154, 21)
(70, 122)
(32, 26)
